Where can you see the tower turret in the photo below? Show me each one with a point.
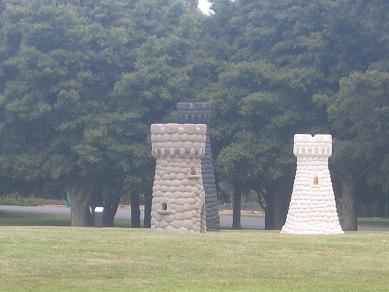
(202, 112)
(178, 193)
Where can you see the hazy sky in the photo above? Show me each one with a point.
(204, 5)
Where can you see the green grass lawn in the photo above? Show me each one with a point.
(120, 259)
(11, 218)
(16, 200)
(374, 221)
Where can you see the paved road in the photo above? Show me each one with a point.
(257, 223)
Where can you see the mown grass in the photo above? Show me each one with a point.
(118, 259)
(16, 200)
(9, 218)
(12, 218)
(374, 221)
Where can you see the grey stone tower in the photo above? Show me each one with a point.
(201, 113)
(178, 192)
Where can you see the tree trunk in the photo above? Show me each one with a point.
(135, 211)
(277, 204)
(79, 207)
(109, 200)
(96, 200)
(269, 217)
(110, 209)
(236, 208)
(276, 210)
(265, 203)
(147, 210)
(348, 214)
(375, 207)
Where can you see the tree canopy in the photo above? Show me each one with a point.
(81, 82)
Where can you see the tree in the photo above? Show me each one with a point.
(308, 46)
(259, 108)
(81, 82)
(359, 115)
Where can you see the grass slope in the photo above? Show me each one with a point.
(118, 259)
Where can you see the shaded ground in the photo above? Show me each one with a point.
(124, 213)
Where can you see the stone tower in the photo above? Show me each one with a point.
(178, 194)
(312, 208)
(201, 112)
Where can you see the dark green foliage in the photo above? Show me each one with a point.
(275, 57)
(359, 113)
(81, 82)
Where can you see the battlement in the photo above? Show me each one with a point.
(194, 112)
(178, 140)
(312, 146)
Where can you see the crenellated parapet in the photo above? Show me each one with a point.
(306, 145)
(194, 112)
(178, 140)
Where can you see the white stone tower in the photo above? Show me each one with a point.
(178, 193)
(312, 208)
(201, 113)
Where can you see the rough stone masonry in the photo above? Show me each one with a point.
(201, 113)
(178, 194)
(312, 208)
